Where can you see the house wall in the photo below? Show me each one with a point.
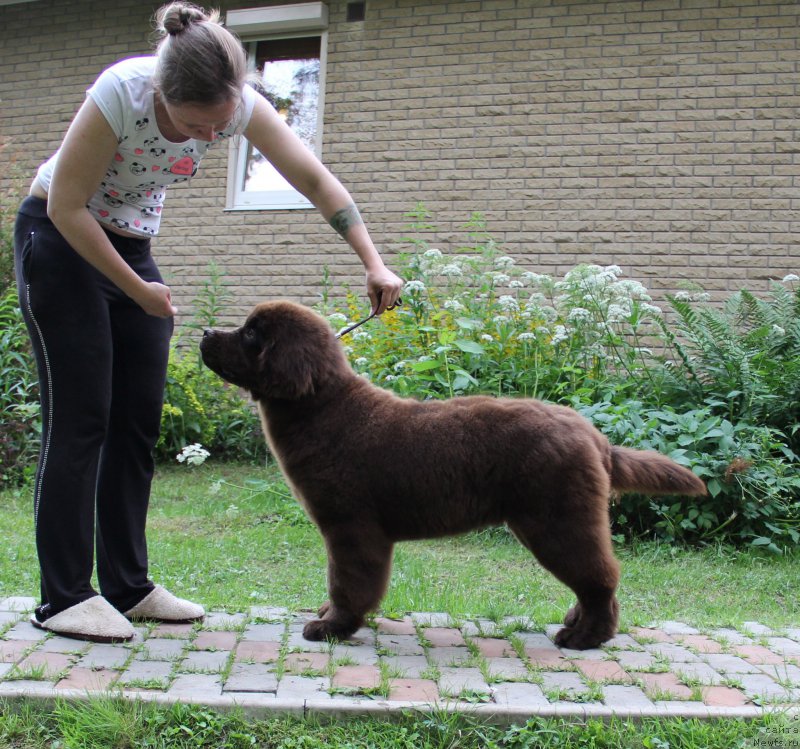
(658, 135)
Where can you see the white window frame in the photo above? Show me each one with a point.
(259, 24)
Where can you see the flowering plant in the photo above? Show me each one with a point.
(473, 321)
(194, 455)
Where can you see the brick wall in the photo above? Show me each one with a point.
(659, 135)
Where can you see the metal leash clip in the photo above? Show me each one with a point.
(351, 328)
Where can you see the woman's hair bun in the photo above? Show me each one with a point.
(176, 17)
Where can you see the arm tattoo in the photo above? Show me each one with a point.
(345, 218)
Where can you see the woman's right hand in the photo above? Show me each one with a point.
(156, 300)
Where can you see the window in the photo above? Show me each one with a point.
(286, 45)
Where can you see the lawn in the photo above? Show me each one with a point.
(231, 536)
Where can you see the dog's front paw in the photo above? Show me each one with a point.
(575, 639)
(328, 629)
(323, 609)
(579, 638)
(316, 630)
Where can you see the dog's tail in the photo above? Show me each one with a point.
(651, 473)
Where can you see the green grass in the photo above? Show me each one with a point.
(108, 724)
(232, 537)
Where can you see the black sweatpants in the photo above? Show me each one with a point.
(102, 365)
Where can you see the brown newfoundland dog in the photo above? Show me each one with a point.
(372, 469)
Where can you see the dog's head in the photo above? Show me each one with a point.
(283, 351)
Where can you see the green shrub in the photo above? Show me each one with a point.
(472, 322)
(20, 427)
(743, 359)
(199, 408)
(750, 471)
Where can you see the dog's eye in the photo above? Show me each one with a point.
(250, 338)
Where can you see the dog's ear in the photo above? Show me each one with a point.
(286, 371)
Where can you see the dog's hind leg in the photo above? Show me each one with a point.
(359, 564)
(579, 553)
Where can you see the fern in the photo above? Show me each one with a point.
(744, 356)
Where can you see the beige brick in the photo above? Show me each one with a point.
(517, 109)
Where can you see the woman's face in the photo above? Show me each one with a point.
(201, 121)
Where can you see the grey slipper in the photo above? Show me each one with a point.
(161, 606)
(94, 619)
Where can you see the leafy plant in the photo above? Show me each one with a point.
(743, 359)
(750, 471)
(199, 408)
(20, 426)
(472, 321)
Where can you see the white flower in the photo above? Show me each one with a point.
(508, 303)
(500, 319)
(778, 330)
(631, 288)
(486, 337)
(578, 313)
(361, 335)
(526, 337)
(362, 361)
(560, 334)
(515, 284)
(790, 278)
(501, 279)
(535, 279)
(651, 309)
(432, 254)
(389, 378)
(337, 320)
(412, 287)
(454, 305)
(504, 263)
(618, 312)
(400, 366)
(194, 454)
(451, 269)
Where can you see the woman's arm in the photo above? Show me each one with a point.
(303, 170)
(88, 148)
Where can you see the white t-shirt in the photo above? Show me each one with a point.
(132, 192)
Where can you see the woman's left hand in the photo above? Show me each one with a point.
(383, 289)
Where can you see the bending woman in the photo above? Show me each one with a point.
(100, 316)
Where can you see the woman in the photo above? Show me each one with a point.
(100, 316)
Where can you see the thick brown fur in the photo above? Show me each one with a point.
(372, 469)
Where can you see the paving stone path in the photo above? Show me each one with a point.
(501, 671)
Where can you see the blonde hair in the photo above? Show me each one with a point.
(199, 61)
